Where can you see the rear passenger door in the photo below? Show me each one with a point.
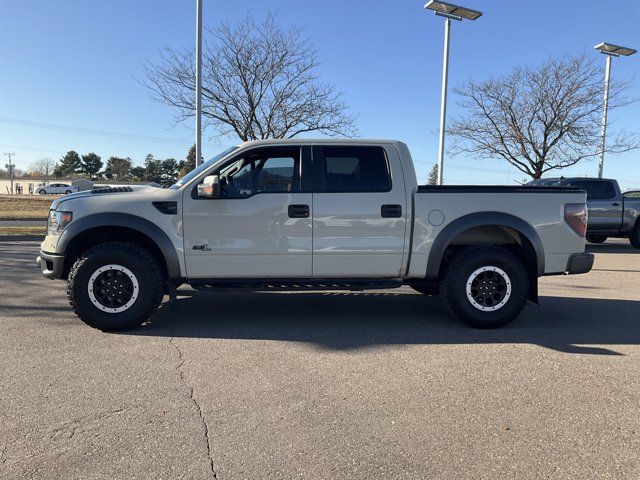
(605, 208)
(359, 212)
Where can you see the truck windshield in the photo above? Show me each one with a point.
(197, 171)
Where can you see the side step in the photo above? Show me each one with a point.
(289, 284)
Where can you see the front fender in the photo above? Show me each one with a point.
(147, 228)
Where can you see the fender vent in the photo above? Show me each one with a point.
(168, 208)
(111, 190)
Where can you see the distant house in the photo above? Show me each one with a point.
(29, 185)
(82, 184)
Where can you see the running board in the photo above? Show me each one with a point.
(289, 284)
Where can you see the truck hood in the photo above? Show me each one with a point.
(110, 192)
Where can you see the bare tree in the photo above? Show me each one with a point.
(539, 118)
(259, 81)
(43, 167)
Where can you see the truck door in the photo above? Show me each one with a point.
(261, 226)
(604, 202)
(359, 212)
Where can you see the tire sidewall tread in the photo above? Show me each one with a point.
(465, 262)
(135, 258)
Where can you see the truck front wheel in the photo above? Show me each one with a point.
(485, 286)
(115, 286)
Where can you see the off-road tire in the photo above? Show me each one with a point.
(596, 238)
(459, 273)
(137, 260)
(634, 238)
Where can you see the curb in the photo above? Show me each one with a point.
(23, 219)
(21, 238)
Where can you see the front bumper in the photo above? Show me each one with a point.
(51, 265)
(580, 263)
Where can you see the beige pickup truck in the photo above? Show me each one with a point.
(312, 214)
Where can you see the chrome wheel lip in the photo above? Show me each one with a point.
(113, 267)
(507, 293)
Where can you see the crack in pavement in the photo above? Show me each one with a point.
(68, 429)
(195, 402)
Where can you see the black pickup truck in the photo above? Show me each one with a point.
(612, 213)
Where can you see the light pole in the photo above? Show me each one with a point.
(450, 12)
(198, 82)
(610, 51)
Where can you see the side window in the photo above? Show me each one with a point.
(582, 185)
(355, 169)
(278, 174)
(595, 190)
(266, 171)
(603, 191)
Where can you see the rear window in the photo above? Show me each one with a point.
(355, 169)
(553, 182)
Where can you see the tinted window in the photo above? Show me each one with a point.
(355, 169)
(595, 190)
(545, 183)
(267, 171)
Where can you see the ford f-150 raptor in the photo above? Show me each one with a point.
(312, 214)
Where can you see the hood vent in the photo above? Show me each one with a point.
(111, 190)
(168, 208)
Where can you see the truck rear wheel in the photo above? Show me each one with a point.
(596, 238)
(115, 286)
(634, 238)
(485, 286)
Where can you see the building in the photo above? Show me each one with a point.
(29, 185)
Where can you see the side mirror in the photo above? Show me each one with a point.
(210, 187)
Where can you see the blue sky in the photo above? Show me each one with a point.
(76, 63)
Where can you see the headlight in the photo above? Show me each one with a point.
(57, 221)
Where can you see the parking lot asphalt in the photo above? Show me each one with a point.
(322, 385)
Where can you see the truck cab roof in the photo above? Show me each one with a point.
(319, 141)
(554, 181)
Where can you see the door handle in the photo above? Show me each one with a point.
(298, 211)
(615, 204)
(391, 211)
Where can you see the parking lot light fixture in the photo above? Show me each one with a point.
(610, 50)
(450, 12)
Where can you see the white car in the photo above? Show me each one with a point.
(57, 188)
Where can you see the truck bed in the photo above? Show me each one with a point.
(493, 189)
(443, 212)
